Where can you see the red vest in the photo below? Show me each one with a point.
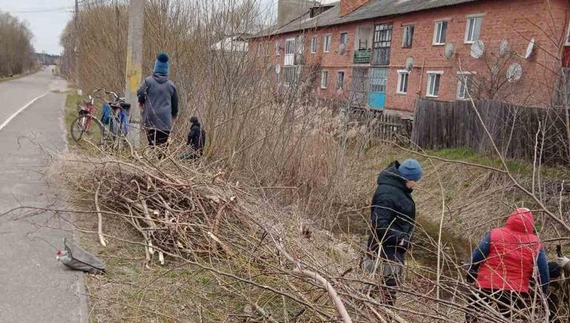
(514, 250)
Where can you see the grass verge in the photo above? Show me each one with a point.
(518, 167)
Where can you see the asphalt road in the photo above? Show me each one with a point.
(34, 287)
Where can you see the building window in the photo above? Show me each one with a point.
(382, 43)
(289, 52)
(324, 79)
(473, 29)
(277, 49)
(327, 43)
(434, 79)
(343, 43)
(464, 85)
(340, 80)
(408, 36)
(259, 49)
(439, 33)
(344, 38)
(314, 44)
(402, 82)
(568, 37)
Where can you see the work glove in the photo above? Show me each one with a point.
(563, 262)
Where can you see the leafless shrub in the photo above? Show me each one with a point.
(16, 53)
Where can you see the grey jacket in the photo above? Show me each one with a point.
(160, 99)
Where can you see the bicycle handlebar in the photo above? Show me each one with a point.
(113, 93)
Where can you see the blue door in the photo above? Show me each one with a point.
(377, 93)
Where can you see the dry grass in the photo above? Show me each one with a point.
(303, 178)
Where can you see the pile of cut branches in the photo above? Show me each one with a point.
(268, 256)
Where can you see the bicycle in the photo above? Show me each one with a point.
(111, 129)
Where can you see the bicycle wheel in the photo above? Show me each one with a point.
(86, 128)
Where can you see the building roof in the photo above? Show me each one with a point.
(235, 43)
(372, 10)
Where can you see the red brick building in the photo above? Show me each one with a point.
(385, 54)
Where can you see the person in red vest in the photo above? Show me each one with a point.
(502, 266)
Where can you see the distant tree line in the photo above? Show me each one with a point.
(16, 51)
(48, 59)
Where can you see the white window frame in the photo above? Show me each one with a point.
(429, 84)
(461, 84)
(567, 42)
(401, 78)
(347, 38)
(472, 18)
(314, 44)
(327, 42)
(340, 86)
(289, 57)
(404, 36)
(437, 30)
(324, 79)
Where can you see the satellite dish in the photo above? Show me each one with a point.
(477, 49)
(449, 50)
(409, 63)
(529, 49)
(514, 72)
(278, 68)
(504, 48)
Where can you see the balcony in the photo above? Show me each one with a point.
(362, 56)
(380, 56)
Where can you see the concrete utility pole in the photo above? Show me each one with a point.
(76, 44)
(134, 68)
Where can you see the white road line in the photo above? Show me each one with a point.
(5, 123)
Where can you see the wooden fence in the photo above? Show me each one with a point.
(384, 126)
(517, 131)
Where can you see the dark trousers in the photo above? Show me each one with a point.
(553, 302)
(157, 137)
(504, 300)
(391, 267)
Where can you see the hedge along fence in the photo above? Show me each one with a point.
(519, 132)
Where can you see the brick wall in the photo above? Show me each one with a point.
(517, 21)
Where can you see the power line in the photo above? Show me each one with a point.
(42, 10)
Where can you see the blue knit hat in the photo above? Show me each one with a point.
(411, 170)
(161, 65)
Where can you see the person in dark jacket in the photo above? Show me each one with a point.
(393, 215)
(196, 136)
(502, 266)
(158, 99)
(196, 140)
(558, 296)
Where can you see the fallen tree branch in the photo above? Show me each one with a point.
(330, 289)
(99, 218)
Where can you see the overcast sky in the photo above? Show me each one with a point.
(47, 18)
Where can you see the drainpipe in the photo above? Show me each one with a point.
(421, 78)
